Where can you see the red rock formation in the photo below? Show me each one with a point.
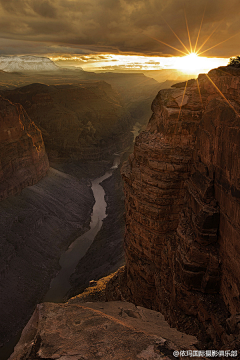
(23, 160)
(182, 193)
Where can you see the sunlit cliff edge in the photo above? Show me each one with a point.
(182, 236)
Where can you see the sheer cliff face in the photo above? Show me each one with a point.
(182, 193)
(23, 160)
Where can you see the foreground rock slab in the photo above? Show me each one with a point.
(101, 330)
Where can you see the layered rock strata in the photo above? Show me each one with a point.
(23, 160)
(183, 210)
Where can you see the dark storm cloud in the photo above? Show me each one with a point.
(121, 25)
(44, 8)
(29, 7)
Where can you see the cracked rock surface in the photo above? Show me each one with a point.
(101, 330)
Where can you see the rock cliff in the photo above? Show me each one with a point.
(23, 160)
(85, 121)
(182, 190)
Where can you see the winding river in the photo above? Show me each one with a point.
(60, 284)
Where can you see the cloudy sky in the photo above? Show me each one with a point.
(71, 28)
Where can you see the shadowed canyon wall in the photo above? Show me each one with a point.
(23, 160)
(182, 190)
(37, 225)
(85, 121)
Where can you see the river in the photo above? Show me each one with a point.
(60, 284)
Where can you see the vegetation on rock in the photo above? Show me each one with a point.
(235, 61)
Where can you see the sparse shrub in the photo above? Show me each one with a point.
(235, 61)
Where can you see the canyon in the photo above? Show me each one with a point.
(53, 205)
(84, 121)
(181, 242)
(135, 90)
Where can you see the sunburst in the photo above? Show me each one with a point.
(193, 59)
(192, 62)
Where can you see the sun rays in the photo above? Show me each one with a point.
(193, 59)
(217, 44)
(189, 37)
(224, 97)
(162, 42)
(193, 49)
(184, 92)
(199, 31)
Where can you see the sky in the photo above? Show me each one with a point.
(84, 32)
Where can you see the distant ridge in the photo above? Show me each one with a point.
(26, 63)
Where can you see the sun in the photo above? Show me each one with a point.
(194, 64)
(189, 63)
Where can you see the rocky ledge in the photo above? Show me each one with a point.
(182, 192)
(23, 160)
(102, 330)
